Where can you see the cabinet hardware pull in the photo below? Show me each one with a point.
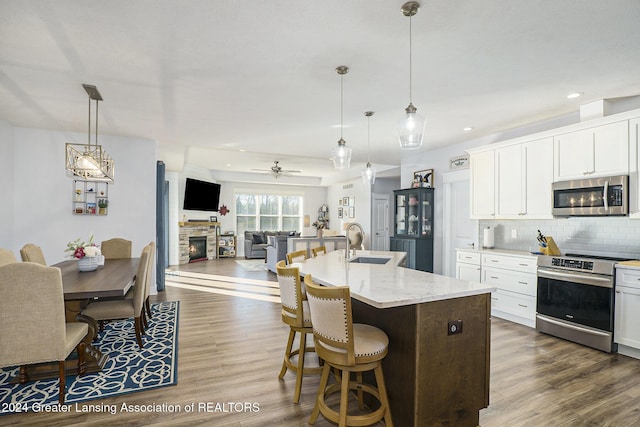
(524, 283)
(617, 292)
(522, 305)
(494, 260)
(524, 265)
(494, 277)
(494, 298)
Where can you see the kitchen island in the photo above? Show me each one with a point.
(433, 376)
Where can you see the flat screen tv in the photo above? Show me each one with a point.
(201, 195)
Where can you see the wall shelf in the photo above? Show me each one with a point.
(90, 198)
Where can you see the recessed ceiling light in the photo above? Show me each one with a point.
(242, 150)
(228, 164)
(574, 95)
(467, 129)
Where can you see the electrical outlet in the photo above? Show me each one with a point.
(514, 233)
(454, 327)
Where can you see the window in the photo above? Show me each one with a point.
(268, 212)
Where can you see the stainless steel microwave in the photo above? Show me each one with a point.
(591, 197)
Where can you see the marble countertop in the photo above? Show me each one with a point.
(387, 285)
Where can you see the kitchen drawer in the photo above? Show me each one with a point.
(469, 257)
(515, 304)
(518, 263)
(510, 280)
(628, 277)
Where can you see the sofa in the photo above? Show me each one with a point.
(256, 242)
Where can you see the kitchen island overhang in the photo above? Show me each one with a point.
(433, 376)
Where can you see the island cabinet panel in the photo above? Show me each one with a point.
(434, 378)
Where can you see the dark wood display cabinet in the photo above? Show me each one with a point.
(413, 227)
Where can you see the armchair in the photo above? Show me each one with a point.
(276, 251)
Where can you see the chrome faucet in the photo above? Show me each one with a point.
(352, 224)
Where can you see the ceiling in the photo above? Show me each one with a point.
(206, 79)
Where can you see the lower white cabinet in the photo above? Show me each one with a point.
(627, 311)
(468, 265)
(515, 277)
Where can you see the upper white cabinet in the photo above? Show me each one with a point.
(593, 152)
(482, 184)
(634, 168)
(525, 174)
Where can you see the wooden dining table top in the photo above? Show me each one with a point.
(113, 279)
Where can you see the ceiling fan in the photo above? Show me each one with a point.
(277, 171)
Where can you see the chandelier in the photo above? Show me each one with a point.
(90, 161)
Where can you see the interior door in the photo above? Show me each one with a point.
(380, 221)
(459, 230)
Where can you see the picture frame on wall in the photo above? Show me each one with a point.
(352, 211)
(340, 212)
(424, 178)
(345, 201)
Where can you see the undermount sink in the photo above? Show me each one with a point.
(370, 260)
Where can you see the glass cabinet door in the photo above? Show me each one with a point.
(426, 219)
(413, 213)
(401, 214)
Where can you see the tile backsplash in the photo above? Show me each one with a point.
(613, 236)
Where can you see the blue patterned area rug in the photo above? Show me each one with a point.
(127, 370)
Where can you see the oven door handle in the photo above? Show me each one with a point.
(588, 279)
(605, 195)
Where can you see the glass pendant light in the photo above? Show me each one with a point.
(341, 155)
(411, 126)
(369, 172)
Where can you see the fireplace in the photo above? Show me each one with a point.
(197, 248)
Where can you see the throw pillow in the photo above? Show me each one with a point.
(258, 239)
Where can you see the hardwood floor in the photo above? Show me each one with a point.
(231, 347)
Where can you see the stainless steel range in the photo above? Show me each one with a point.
(575, 299)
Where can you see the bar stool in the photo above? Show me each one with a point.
(295, 313)
(319, 250)
(347, 347)
(296, 256)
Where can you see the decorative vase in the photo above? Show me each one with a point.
(88, 263)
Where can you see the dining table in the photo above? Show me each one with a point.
(111, 280)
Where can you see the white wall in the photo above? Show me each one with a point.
(361, 194)
(42, 193)
(6, 189)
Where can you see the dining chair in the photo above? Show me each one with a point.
(32, 315)
(6, 256)
(32, 253)
(148, 284)
(295, 313)
(116, 248)
(127, 307)
(349, 348)
(319, 250)
(296, 256)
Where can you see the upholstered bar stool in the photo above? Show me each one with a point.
(319, 250)
(296, 256)
(295, 313)
(349, 348)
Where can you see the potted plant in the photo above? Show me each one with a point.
(102, 206)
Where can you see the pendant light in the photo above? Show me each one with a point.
(341, 155)
(89, 161)
(411, 126)
(369, 172)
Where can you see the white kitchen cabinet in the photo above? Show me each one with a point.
(482, 184)
(627, 311)
(515, 278)
(634, 168)
(524, 178)
(593, 152)
(468, 265)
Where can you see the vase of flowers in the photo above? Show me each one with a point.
(87, 253)
(320, 225)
